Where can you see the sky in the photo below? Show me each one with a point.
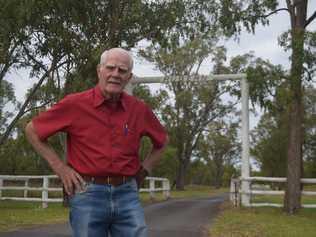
(264, 43)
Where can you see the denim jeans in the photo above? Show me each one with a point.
(105, 210)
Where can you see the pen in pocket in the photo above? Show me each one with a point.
(125, 129)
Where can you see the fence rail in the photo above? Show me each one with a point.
(45, 188)
(235, 190)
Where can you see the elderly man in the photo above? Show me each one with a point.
(104, 126)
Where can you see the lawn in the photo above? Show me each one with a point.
(15, 215)
(263, 222)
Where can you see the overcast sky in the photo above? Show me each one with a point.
(264, 43)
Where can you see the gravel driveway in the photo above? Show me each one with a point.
(172, 218)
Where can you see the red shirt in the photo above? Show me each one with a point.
(102, 139)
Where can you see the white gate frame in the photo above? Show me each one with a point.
(245, 168)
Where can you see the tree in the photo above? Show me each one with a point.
(220, 149)
(270, 139)
(234, 14)
(309, 155)
(62, 40)
(196, 102)
(7, 98)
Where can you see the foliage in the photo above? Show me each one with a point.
(270, 137)
(220, 150)
(195, 103)
(7, 99)
(18, 158)
(60, 41)
(310, 133)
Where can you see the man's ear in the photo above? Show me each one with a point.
(130, 76)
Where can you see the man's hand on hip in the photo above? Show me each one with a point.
(141, 174)
(70, 178)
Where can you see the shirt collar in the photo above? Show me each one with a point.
(99, 98)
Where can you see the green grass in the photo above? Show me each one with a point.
(279, 199)
(15, 215)
(263, 222)
(191, 191)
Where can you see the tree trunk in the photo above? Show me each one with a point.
(183, 167)
(114, 26)
(292, 199)
(218, 177)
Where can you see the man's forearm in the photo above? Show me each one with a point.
(42, 148)
(70, 178)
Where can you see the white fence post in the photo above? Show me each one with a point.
(26, 185)
(166, 188)
(45, 192)
(245, 166)
(152, 188)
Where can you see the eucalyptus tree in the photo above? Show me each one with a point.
(194, 102)
(220, 148)
(60, 41)
(301, 43)
(233, 15)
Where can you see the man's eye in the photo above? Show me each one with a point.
(110, 67)
(123, 70)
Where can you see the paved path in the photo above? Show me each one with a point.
(173, 218)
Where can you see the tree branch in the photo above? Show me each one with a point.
(275, 11)
(309, 20)
(37, 107)
(25, 104)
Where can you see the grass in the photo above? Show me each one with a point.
(279, 199)
(16, 215)
(191, 191)
(263, 222)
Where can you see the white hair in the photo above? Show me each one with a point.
(104, 56)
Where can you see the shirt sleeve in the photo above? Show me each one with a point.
(153, 129)
(56, 119)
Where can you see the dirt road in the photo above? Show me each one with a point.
(173, 218)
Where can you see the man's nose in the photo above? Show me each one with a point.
(116, 71)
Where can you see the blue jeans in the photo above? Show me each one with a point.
(105, 210)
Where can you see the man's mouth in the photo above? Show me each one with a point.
(114, 82)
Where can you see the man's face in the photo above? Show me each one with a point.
(114, 74)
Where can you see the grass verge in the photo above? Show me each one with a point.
(16, 215)
(263, 222)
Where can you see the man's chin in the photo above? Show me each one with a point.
(114, 94)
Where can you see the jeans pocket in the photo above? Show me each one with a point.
(132, 184)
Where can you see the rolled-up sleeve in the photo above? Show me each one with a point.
(154, 129)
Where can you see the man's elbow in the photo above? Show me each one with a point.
(29, 128)
(30, 131)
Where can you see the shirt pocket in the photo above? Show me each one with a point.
(129, 141)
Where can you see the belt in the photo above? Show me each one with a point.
(111, 180)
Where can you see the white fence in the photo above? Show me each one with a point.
(45, 188)
(235, 190)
